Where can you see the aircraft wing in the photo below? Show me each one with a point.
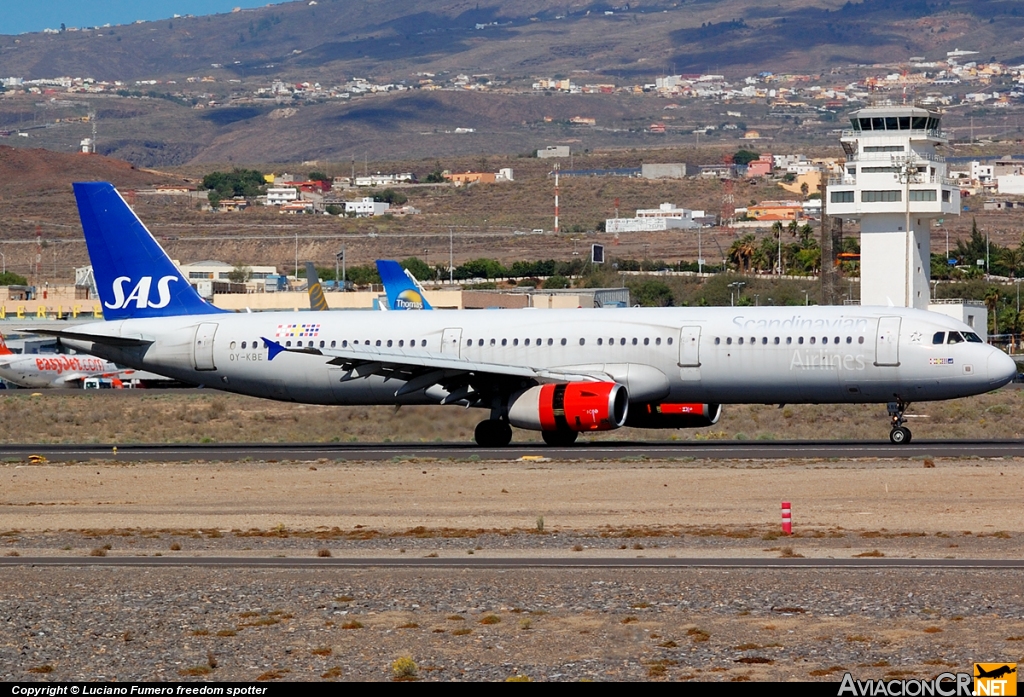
(118, 341)
(461, 378)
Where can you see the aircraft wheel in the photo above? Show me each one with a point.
(492, 433)
(900, 435)
(559, 438)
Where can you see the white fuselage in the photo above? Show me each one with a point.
(52, 369)
(712, 355)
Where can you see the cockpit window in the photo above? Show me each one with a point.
(939, 338)
(973, 338)
(954, 338)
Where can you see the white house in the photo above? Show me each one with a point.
(280, 195)
(665, 217)
(366, 207)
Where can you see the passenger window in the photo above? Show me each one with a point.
(389, 343)
(728, 340)
(479, 342)
(860, 340)
(670, 341)
(789, 340)
(526, 343)
(622, 341)
(634, 341)
(776, 341)
(243, 345)
(232, 346)
(824, 339)
(741, 341)
(764, 340)
(504, 342)
(849, 339)
(552, 341)
(538, 342)
(717, 341)
(344, 343)
(647, 341)
(954, 338)
(401, 343)
(309, 344)
(378, 342)
(333, 344)
(753, 340)
(600, 341)
(813, 339)
(582, 341)
(492, 342)
(288, 343)
(563, 342)
(321, 344)
(800, 340)
(657, 342)
(515, 342)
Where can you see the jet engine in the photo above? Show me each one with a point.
(575, 406)
(673, 415)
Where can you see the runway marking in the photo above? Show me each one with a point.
(527, 453)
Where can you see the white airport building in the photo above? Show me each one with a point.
(665, 217)
(895, 183)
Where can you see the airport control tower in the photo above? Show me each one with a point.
(895, 184)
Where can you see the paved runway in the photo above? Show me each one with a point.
(516, 562)
(607, 450)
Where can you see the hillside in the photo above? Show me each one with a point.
(397, 39)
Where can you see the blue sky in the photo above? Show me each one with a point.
(18, 16)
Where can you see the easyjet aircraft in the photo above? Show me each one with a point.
(561, 372)
(52, 369)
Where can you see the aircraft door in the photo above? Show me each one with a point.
(689, 353)
(451, 341)
(202, 346)
(887, 341)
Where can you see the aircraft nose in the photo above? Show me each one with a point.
(1001, 368)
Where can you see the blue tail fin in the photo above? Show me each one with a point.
(404, 293)
(134, 275)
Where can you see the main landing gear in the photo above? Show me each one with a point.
(493, 433)
(561, 438)
(900, 434)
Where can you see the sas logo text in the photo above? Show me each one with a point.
(140, 294)
(940, 361)
(995, 679)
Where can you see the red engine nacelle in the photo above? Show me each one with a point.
(673, 415)
(576, 406)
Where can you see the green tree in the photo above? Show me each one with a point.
(745, 157)
(9, 278)
(395, 198)
(317, 176)
(556, 282)
(215, 198)
(650, 293)
(240, 274)
(418, 268)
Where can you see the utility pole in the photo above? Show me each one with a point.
(451, 256)
(556, 198)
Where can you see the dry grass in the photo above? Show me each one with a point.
(490, 619)
(172, 417)
(324, 552)
(352, 624)
(333, 672)
(872, 553)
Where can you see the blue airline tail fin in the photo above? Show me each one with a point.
(404, 292)
(134, 275)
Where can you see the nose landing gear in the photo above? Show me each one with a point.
(900, 434)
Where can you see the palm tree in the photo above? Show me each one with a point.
(1012, 259)
(992, 302)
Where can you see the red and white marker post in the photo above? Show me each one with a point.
(787, 518)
